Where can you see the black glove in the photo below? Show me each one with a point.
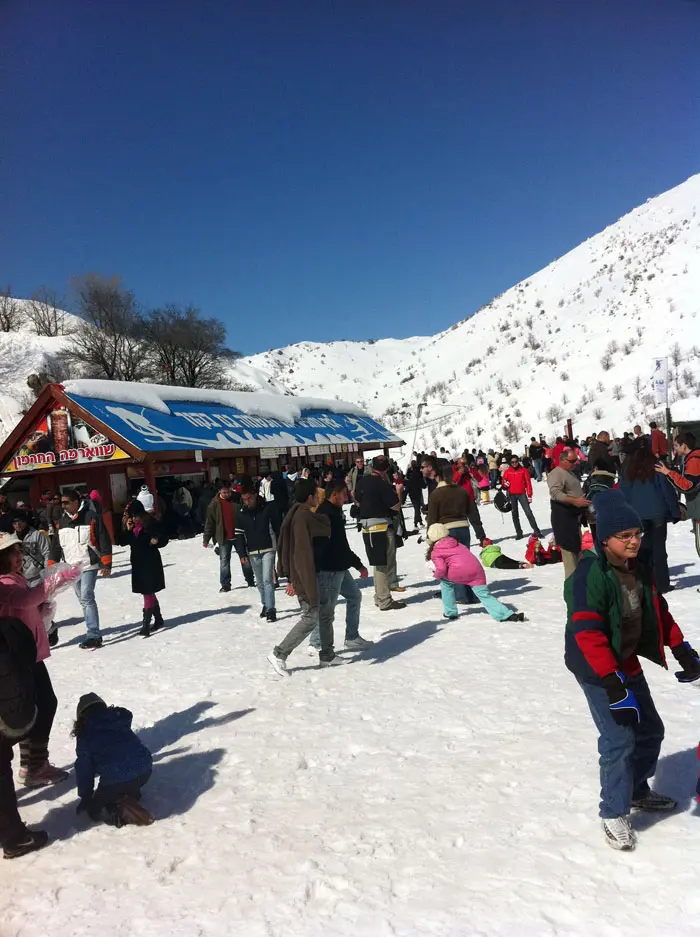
(688, 658)
(623, 703)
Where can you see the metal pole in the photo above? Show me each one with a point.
(415, 434)
(668, 434)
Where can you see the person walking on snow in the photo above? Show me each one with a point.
(687, 481)
(568, 506)
(221, 525)
(295, 560)
(144, 535)
(536, 453)
(516, 479)
(84, 541)
(380, 509)
(614, 617)
(333, 560)
(259, 522)
(455, 564)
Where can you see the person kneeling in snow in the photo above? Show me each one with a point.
(615, 616)
(107, 746)
(455, 564)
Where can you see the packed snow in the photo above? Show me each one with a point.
(575, 340)
(444, 782)
(286, 409)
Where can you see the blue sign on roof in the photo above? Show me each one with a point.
(214, 426)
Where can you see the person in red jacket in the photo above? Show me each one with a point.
(559, 447)
(516, 479)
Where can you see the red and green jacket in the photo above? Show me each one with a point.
(594, 622)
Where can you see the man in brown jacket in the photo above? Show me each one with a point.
(295, 560)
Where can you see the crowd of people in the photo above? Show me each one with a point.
(610, 504)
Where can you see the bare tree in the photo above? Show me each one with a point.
(45, 312)
(10, 311)
(109, 342)
(187, 350)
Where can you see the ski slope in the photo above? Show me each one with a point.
(442, 784)
(575, 340)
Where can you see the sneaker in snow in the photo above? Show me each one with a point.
(43, 776)
(653, 801)
(619, 833)
(278, 664)
(263, 613)
(130, 810)
(516, 616)
(398, 588)
(91, 644)
(394, 605)
(331, 662)
(30, 842)
(271, 614)
(451, 617)
(313, 651)
(358, 643)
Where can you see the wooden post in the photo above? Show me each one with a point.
(569, 429)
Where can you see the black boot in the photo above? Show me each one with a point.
(146, 626)
(263, 613)
(271, 614)
(157, 618)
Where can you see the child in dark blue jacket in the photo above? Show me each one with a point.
(107, 746)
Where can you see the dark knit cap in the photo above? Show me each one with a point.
(613, 514)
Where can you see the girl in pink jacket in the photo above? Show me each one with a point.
(19, 600)
(454, 563)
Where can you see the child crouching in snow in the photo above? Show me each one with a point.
(143, 534)
(454, 563)
(107, 746)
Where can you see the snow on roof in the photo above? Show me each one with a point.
(154, 396)
(685, 411)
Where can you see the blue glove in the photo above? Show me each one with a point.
(623, 703)
(688, 658)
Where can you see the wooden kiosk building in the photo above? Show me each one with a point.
(114, 436)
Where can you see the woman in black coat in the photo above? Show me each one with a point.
(145, 537)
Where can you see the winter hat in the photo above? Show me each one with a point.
(613, 514)
(8, 540)
(437, 532)
(145, 497)
(86, 701)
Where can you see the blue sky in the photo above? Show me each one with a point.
(325, 169)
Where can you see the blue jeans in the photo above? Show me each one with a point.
(537, 466)
(628, 755)
(85, 590)
(496, 609)
(225, 551)
(263, 565)
(331, 585)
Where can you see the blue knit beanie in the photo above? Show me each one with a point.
(613, 514)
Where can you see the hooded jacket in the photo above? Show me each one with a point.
(20, 600)
(687, 481)
(107, 746)
(455, 563)
(84, 538)
(593, 638)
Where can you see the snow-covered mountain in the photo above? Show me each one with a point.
(574, 340)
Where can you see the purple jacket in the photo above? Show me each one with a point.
(454, 562)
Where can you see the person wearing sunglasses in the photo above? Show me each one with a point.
(568, 505)
(516, 479)
(614, 617)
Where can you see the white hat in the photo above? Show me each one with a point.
(8, 540)
(146, 498)
(437, 532)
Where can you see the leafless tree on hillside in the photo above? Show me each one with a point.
(188, 351)
(109, 341)
(10, 311)
(45, 312)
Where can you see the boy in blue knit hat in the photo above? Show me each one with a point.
(616, 616)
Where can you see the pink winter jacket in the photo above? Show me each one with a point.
(18, 600)
(454, 562)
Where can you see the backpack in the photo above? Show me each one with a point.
(502, 502)
(17, 695)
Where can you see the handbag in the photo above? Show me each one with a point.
(502, 502)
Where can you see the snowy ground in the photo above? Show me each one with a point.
(443, 783)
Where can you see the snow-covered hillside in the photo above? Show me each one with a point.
(574, 340)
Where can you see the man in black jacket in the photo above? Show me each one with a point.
(257, 522)
(380, 507)
(334, 559)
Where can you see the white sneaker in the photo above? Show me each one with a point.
(312, 651)
(332, 662)
(279, 665)
(619, 833)
(356, 644)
